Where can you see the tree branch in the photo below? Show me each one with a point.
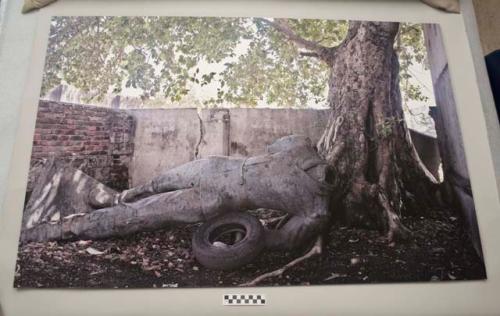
(309, 54)
(282, 26)
(317, 249)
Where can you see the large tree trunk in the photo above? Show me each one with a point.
(367, 141)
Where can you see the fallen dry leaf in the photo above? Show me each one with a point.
(93, 251)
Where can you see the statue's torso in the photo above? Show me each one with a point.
(277, 181)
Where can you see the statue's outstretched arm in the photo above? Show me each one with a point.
(182, 177)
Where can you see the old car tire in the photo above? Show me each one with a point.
(221, 256)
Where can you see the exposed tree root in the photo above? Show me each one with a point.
(396, 230)
(316, 249)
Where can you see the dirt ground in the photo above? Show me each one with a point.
(438, 251)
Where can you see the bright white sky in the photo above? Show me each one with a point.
(419, 118)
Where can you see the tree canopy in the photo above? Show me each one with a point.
(243, 60)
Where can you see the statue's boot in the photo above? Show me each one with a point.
(61, 191)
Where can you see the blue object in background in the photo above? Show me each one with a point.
(493, 66)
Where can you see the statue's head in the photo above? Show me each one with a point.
(288, 142)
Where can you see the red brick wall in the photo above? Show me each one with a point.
(97, 140)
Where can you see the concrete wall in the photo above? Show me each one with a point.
(124, 148)
(445, 117)
(97, 140)
(253, 129)
(166, 138)
(163, 139)
(456, 174)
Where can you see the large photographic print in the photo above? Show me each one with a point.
(215, 152)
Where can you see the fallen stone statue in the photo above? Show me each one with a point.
(291, 177)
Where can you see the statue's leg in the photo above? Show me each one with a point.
(181, 177)
(151, 213)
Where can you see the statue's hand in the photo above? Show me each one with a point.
(124, 197)
(135, 193)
